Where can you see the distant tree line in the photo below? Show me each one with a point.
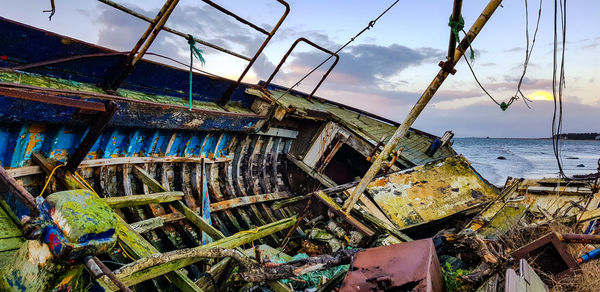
(580, 136)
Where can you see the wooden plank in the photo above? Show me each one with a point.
(194, 217)
(24, 171)
(147, 225)
(333, 206)
(139, 200)
(248, 200)
(32, 170)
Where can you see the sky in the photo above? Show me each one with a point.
(386, 69)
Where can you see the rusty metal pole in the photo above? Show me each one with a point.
(231, 89)
(146, 40)
(418, 107)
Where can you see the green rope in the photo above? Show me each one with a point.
(194, 52)
(457, 27)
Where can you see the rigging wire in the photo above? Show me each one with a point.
(369, 26)
(558, 85)
(528, 51)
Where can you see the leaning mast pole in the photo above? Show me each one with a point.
(421, 104)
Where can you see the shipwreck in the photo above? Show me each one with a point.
(122, 173)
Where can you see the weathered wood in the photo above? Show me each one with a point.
(147, 225)
(243, 201)
(333, 206)
(21, 193)
(324, 180)
(416, 110)
(215, 272)
(157, 264)
(11, 243)
(33, 170)
(139, 200)
(92, 135)
(194, 217)
(24, 171)
(135, 244)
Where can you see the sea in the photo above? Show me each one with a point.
(527, 158)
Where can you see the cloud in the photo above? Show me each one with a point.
(517, 121)
(515, 49)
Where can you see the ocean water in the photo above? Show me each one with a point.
(527, 158)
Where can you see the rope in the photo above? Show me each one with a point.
(456, 27)
(86, 184)
(49, 178)
(369, 26)
(254, 231)
(194, 52)
(557, 86)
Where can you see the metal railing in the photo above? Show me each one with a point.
(155, 26)
(288, 54)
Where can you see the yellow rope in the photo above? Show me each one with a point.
(254, 231)
(86, 184)
(49, 178)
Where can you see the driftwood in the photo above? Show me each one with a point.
(250, 270)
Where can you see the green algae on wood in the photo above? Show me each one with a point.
(132, 275)
(139, 200)
(80, 212)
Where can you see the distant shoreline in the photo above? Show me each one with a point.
(525, 138)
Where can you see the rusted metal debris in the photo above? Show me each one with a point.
(408, 266)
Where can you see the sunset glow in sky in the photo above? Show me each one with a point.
(387, 68)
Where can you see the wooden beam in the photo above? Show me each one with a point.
(139, 200)
(194, 217)
(32, 170)
(248, 200)
(133, 274)
(416, 110)
(92, 135)
(332, 205)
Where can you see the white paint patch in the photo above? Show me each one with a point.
(39, 253)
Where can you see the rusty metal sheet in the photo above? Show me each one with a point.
(430, 192)
(549, 254)
(408, 266)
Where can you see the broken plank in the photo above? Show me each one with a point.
(139, 200)
(333, 206)
(156, 265)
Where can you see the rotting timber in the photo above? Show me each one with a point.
(177, 182)
(111, 180)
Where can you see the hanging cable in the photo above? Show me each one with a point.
(557, 85)
(519, 94)
(369, 26)
(528, 50)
